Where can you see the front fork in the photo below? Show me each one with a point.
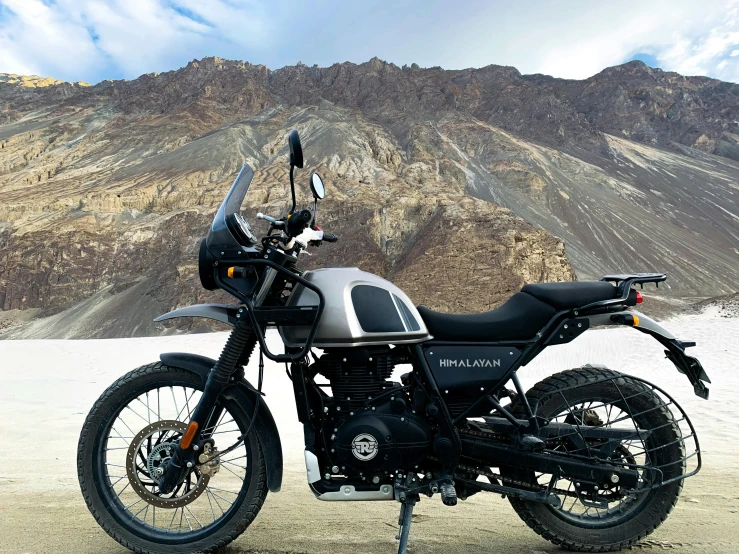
(235, 354)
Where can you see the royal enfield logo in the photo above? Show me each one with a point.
(364, 447)
(446, 362)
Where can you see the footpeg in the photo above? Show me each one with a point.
(448, 494)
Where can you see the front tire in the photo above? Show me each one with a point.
(641, 516)
(103, 492)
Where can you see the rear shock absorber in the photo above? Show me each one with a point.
(235, 354)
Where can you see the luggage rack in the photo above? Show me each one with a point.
(636, 278)
(623, 283)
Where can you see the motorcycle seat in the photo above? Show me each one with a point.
(518, 319)
(521, 317)
(565, 296)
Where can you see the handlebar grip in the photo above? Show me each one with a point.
(330, 237)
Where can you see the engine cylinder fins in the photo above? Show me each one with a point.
(357, 375)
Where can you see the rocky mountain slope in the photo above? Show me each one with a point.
(105, 189)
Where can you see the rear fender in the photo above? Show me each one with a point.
(675, 349)
(243, 393)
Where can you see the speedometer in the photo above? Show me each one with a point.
(241, 230)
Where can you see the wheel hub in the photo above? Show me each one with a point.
(158, 457)
(146, 459)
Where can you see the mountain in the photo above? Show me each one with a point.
(460, 186)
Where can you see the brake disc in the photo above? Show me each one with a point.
(156, 458)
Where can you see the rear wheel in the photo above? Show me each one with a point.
(130, 433)
(601, 397)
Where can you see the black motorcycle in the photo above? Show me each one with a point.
(178, 455)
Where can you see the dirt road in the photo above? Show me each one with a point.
(47, 387)
(705, 520)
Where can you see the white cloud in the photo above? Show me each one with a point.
(95, 39)
(700, 55)
(73, 39)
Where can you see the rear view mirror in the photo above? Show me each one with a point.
(296, 150)
(316, 185)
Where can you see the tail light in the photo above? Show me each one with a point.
(639, 297)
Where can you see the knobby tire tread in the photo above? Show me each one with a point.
(225, 536)
(526, 510)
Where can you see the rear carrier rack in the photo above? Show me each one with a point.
(636, 278)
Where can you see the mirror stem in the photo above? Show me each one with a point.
(315, 210)
(292, 186)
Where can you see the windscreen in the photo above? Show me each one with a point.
(219, 235)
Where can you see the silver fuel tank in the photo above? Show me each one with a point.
(361, 309)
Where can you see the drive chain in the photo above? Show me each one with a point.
(506, 480)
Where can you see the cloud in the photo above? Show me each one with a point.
(709, 53)
(96, 39)
(93, 39)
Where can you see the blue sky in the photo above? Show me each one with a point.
(92, 40)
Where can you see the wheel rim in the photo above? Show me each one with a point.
(135, 441)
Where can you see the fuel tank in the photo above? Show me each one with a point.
(361, 309)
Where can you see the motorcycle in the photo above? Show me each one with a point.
(179, 455)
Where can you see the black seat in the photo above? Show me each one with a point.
(564, 296)
(518, 319)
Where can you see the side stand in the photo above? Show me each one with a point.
(404, 521)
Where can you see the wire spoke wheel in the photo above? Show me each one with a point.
(604, 516)
(145, 419)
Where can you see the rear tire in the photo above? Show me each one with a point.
(144, 538)
(652, 508)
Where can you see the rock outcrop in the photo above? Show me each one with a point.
(106, 189)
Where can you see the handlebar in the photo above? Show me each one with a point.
(260, 215)
(330, 237)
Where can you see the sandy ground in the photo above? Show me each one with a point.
(46, 388)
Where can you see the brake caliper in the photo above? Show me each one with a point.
(209, 460)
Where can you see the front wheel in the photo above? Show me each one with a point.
(130, 433)
(600, 397)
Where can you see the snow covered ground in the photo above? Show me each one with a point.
(47, 387)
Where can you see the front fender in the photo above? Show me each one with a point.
(225, 313)
(243, 393)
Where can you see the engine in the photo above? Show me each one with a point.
(370, 428)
